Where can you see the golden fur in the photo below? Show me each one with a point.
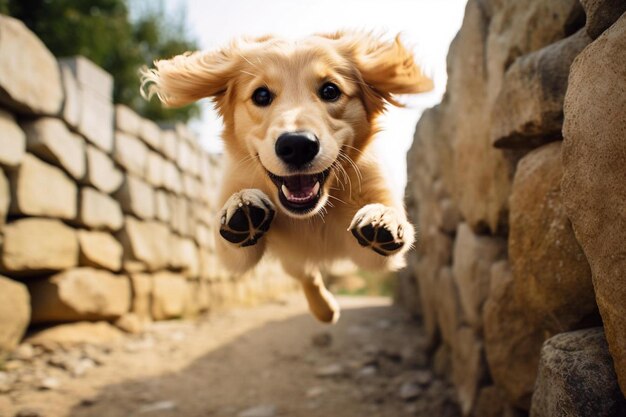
(369, 72)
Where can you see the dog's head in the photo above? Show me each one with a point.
(298, 109)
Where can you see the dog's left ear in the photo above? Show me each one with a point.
(189, 77)
(386, 67)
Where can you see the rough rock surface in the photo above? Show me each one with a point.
(32, 186)
(99, 211)
(31, 81)
(100, 250)
(512, 343)
(594, 180)
(130, 153)
(51, 140)
(468, 367)
(79, 333)
(101, 172)
(14, 313)
(12, 141)
(576, 378)
(127, 120)
(170, 296)
(38, 245)
(148, 242)
(5, 199)
(473, 257)
(552, 276)
(601, 14)
(80, 294)
(529, 109)
(136, 197)
(142, 295)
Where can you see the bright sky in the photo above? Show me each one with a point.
(427, 26)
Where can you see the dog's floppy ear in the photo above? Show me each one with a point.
(386, 67)
(189, 77)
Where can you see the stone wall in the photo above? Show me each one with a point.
(104, 215)
(517, 185)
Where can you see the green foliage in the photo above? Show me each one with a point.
(102, 31)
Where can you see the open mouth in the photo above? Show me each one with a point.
(300, 193)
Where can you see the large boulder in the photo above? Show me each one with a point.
(12, 141)
(170, 296)
(32, 246)
(552, 276)
(99, 211)
(529, 109)
(40, 189)
(594, 186)
(512, 343)
(473, 257)
(146, 241)
(601, 14)
(14, 313)
(79, 294)
(31, 81)
(100, 250)
(52, 141)
(576, 378)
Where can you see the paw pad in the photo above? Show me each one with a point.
(247, 224)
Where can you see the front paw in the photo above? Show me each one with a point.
(245, 217)
(379, 227)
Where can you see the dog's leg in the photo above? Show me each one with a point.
(244, 219)
(385, 231)
(321, 302)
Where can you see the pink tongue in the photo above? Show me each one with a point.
(300, 186)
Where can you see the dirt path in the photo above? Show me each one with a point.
(274, 360)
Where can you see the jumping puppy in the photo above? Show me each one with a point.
(299, 180)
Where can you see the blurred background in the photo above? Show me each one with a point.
(112, 299)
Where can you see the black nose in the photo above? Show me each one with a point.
(297, 148)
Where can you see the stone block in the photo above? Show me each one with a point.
(191, 187)
(576, 378)
(473, 257)
(40, 189)
(142, 295)
(170, 296)
(89, 76)
(184, 156)
(150, 133)
(146, 241)
(99, 211)
(593, 186)
(449, 312)
(79, 294)
(552, 276)
(154, 169)
(185, 257)
(601, 14)
(31, 81)
(96, 120)
(14, 313)
(468, 367)
(70, 335)
(130, 153)
(528, 111)
(99, 250)
(71, 104)
(163, 202)
(32, 246)
(136, 197)
(101, 172)
(127, 121)
(51, 140)
(169, 141)
(12, 141)
(5, 199)
(512, 342)
(172, 179)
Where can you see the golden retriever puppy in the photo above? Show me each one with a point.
(299, 179)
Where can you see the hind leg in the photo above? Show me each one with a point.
(322, 303)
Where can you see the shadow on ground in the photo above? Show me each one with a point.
(367, 364)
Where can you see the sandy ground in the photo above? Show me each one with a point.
(272, 360)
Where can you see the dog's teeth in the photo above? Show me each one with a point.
(316, 188)
(285, 191)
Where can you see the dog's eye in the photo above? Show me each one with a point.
(262, 97)
(329, 92)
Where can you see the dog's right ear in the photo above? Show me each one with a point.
(189, 77)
